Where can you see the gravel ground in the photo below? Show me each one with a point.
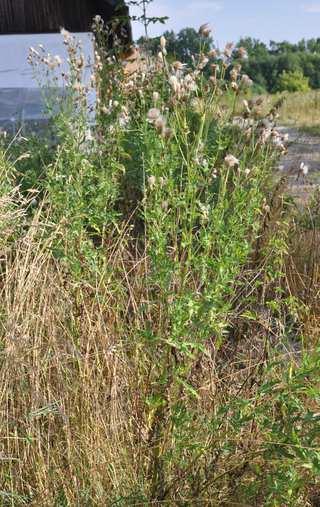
(303, 149)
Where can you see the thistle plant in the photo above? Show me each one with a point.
(147, 294)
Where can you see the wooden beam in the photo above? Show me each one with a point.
(45, 16)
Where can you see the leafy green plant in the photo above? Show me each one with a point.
(293, 81)
(147, 349)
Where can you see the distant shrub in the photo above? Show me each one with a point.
(293, 81)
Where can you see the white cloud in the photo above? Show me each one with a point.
(180, 13)
(311, 8)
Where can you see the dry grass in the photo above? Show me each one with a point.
(64, 385)
(301, 109)
(75, 429)
(144, 357)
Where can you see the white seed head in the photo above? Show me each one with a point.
(178, 65)
(265, 135)
(242, 53)
(231, 161)
(174, 83)
(152, 181)
(234, 75)
(203, 62)
(228, 49)
(205, 30)
(246, 106)
(189, 83)
(66, 35)
(155, 97)
(160, 123)
(246, 82)
(153, 114)
(213, 53)
(58, 60)
(163, 42)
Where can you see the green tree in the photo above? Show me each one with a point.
(179, 46)
(278, 65)
(188, 44)
(313, 45)
(255, 48)
(153, 44)
(293, 81)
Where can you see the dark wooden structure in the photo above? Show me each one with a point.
(47, 16)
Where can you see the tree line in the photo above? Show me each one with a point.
(273, 67)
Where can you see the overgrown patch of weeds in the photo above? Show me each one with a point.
(145, 296)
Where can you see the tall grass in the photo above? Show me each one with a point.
(301, 110)
(152, 348)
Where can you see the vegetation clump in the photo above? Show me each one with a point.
(293, 81)
(266, 63)
(152, 347)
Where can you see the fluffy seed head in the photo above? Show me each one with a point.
(234, 75)
(160, 123)
(242, 53)
(203, 62)
(213, 53)
(178, 65)
(153, 114)
(152, 181)
(174, 83)
(205, 30)
(246, 82)
(231, 161)
(163, 42)
(228, 49)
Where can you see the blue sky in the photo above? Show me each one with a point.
(230, 19)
